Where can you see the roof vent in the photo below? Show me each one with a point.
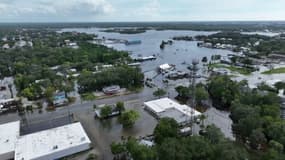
(55, 147)
(83, 139)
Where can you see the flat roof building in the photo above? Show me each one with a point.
(9, 133)
(166, 107)
(44, 145)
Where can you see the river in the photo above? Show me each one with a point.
(181, 53)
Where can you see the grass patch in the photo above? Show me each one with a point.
(88, 96)
(275, 71)
(244, 71)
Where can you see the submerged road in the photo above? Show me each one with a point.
(84, 113)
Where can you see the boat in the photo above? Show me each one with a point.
(133, 42)
(147, 58)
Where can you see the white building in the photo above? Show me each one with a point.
(6, 46)
(44, 145)
(166, 107)
(9, 133)
(164, 68)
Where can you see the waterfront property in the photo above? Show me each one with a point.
(166, 107)
(165, 68)
(44, 145)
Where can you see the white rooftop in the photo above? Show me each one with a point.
(51, 141)
(9, 134)
(188, 110)
(165, 66)
(165, 104)
(161, 105)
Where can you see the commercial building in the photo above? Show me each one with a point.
(166, 107)
(59, 99)
(165, 68)
(44, 145)
(9, 133)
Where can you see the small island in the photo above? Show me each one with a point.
(126, 30)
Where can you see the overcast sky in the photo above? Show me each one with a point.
(139, 10)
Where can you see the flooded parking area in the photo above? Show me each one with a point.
(104, 132)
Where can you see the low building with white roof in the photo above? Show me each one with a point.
(166, 107)
(44, 145)
(9, 133)
(166, 67)
(52, 144)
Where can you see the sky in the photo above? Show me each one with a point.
(140, 10)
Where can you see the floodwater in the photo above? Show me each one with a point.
(179, 52)
(257, 77)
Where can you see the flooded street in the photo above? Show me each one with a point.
(104, 132)
(181, 54)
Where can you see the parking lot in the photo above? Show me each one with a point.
(104, 132)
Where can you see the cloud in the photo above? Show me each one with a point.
(3, 7)
(38, 9)
(140, 10)
(150, 9)
(82, 7)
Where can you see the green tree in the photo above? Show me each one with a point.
(245, 126)
(201, 95)
(117, 148)
(223, 91)
(213, 134)
(199, 148)
(279, 85)
(166, 128)
(276, 146)
(228, 150)
(183, 92)
(49, 93)
(120, 106)
(273, 155)
(159, 93)
(140, 152)
(106, 111)
(257, 139)
(173, 148)
(128, 118)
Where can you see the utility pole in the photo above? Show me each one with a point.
(193, 74)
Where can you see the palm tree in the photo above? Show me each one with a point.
(203, 118)
(11, 91)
